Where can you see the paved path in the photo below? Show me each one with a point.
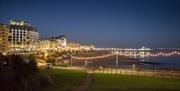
(86, 84)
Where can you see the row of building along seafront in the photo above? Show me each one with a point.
(20, 36)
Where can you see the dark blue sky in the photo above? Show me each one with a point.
(105, 23)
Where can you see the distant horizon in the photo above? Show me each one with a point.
(104, 23)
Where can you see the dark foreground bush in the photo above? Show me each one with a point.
(17, 73)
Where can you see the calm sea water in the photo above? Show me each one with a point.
(161, 62)
(171, 62)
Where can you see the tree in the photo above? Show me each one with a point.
(18, 73)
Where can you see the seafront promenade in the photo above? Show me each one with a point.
(165, 74)
(146, 73)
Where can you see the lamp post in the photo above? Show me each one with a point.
(116, 59)
(86, 63)
(71, 60)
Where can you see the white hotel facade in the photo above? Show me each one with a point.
(22, 36)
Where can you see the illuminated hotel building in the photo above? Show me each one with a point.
(23, 36)
(61, 41)
(47, 44)
(4, 38)
(53, 43)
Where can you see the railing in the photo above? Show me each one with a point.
(146, 73)
(128, 55)
(95, 57)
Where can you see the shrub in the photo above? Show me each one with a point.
(17, 73)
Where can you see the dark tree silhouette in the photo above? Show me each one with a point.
(17, 73)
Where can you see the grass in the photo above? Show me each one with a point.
(65, 80)
(115, 82)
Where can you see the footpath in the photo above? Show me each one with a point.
(86, 84)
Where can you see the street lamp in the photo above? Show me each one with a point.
(71, 60)
(116, 58)
(86, 63)
(45, 55)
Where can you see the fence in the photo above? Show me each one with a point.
(146, 73)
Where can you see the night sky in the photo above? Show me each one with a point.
(105, 23)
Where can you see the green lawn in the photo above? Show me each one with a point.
(65, 80)
(114, 82)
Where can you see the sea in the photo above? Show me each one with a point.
(160, 62)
